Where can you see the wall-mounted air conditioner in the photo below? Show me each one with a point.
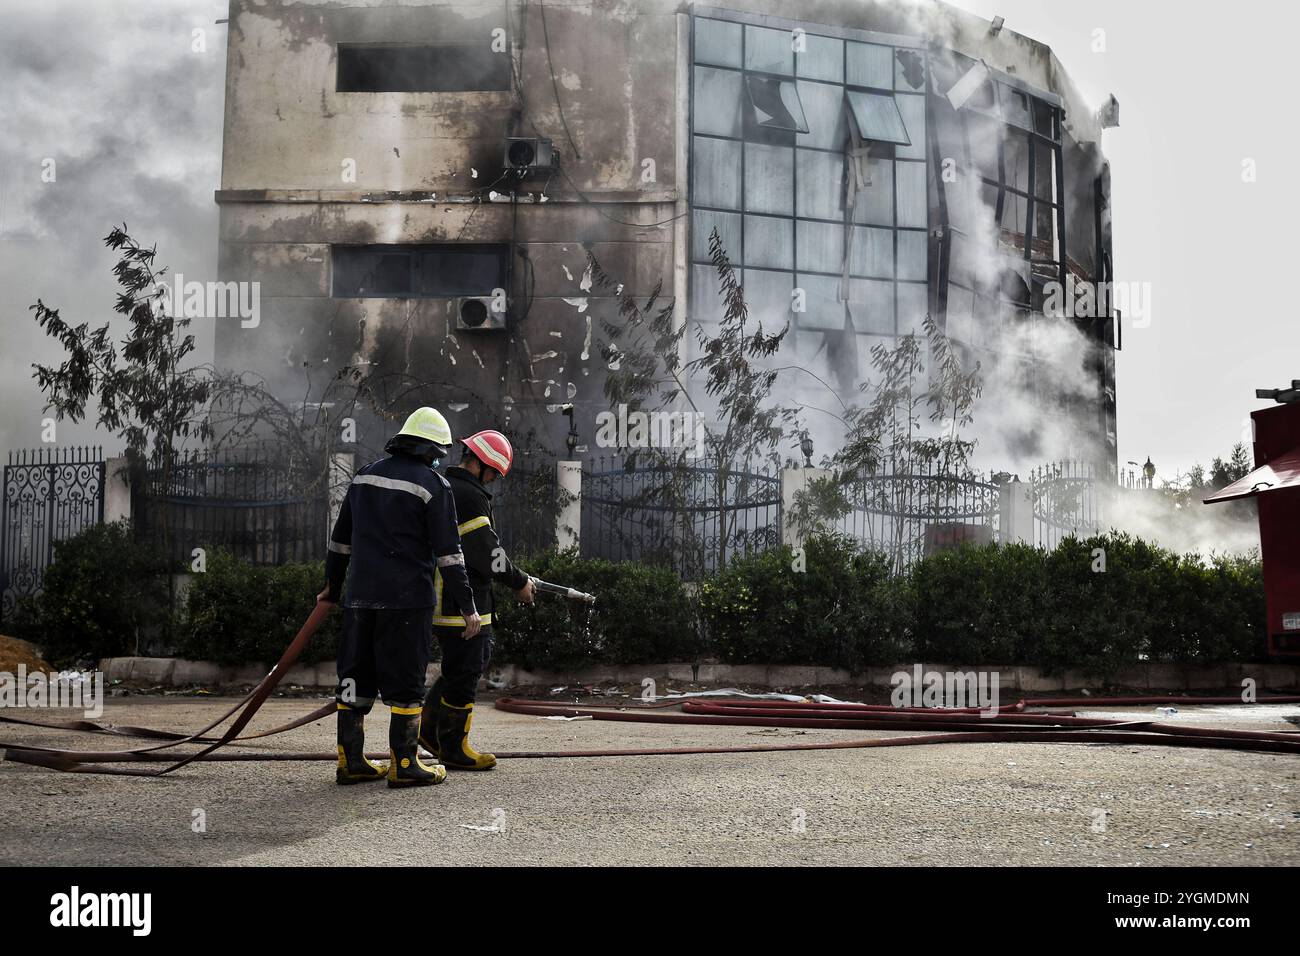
(529, 154)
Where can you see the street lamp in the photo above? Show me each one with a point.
(806, 446)
(1149, 472)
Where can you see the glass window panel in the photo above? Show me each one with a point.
(1015, 160)
(821, 177)
(769, 242)
(1015, 107)
(775, 103)
(912, 210)
(822, 58)
(1015, 213)
(1044, 171)
(769, 51)
(983, 136)
(361, 271)
(715, 172)
(703, 222)
(767, 295)
(872, 301)
(460, 269)
(824, 106)
(912, 109)
(913, 302)
(717, 102)
(769, 179)
(824, 310)
(909, 70)
(877, 117)
(873, 252)
(875, 203)
(867, 64)
(706, 293)
(717, 42)
(821, 247)
(912, 254)
(1045, 232)
(961, 309)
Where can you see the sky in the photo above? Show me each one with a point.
(127, 101)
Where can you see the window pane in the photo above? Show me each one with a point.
(769, 179)
(822, 59)
(365, 271)
(912, 209)
(873, 305)
(767, 294)
(1015, 107)
(706, 293)
(715, 172)
(1044, 171)
(913, 302)
(769, 242)
(875, 203)
(717, 42)
(825, 311)
(455, 270)
(824, 107)
(776, 103)
(821, 247)
(422, 69)
(912, 109)
(1015, 160)
(820, 184)
(912, 253)
(717, 102)
(703, 223)
(769, 51)
(867, 64)
(873, 252)
(877, 117)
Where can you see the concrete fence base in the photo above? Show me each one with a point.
(171, 672)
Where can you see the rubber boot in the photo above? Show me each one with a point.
(429, 719)
(453, 739)
(406, 768)
(353, 765)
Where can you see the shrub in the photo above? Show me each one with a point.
(241, 613)
(104, 595)
(642, 615)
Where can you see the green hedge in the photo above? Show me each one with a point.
(104, 595)
(829, 605)
(642, 615)
(238, 613)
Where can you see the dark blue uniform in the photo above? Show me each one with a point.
(396, 530)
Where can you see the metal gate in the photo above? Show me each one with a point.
(49, 494)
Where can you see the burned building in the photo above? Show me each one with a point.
(417, 187)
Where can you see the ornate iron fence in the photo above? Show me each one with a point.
(526, 506)
(49, 494)
(1066, 501)
(246, 501)
(691, 517)
(908, 511)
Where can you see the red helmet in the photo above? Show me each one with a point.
(491, 448)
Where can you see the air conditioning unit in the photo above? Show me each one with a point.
(528, 154)
(476, 313)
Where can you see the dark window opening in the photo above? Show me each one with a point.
(877, 117)
(420, 271)
(451, 68)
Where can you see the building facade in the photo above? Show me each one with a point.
(417, 188)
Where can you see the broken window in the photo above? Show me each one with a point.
(447, 68)
(775, 103)
(418, 270)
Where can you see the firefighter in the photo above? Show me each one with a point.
(449, 706)
(396, 530)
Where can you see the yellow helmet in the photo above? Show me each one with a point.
(428, 423)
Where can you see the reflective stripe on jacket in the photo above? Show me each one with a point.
(485, 559)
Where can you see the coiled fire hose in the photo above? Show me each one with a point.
(941, 725)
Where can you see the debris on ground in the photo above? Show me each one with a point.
(15, 653)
